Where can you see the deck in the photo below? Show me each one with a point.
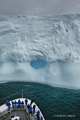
(22, 113)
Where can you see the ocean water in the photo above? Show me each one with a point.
(55, 103)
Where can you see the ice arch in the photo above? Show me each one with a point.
(39, 63)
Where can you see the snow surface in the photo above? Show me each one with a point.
(53, 39)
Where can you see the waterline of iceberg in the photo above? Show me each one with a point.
(57, 73)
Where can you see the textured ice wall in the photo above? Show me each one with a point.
(52, 39)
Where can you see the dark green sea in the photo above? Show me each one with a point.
(55, 103)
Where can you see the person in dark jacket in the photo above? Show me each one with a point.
(28, 106)
(31, 102)
(34, 106)
(26, 101)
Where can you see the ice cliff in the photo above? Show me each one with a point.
(43, 49)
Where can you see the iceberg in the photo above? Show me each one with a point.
(43, 49)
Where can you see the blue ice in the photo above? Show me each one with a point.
(39, 63)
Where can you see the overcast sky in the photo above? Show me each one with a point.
(39, 7)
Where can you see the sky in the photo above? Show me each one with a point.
(39, 7)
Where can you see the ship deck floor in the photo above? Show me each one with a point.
(22, 113)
